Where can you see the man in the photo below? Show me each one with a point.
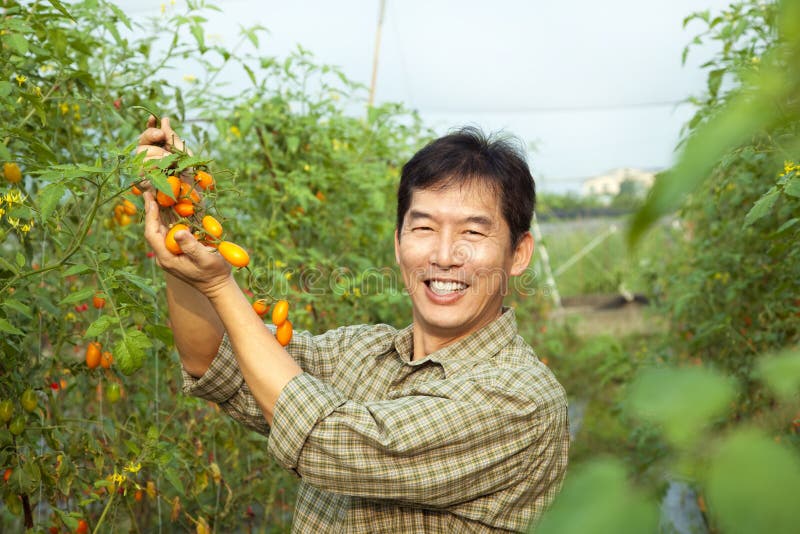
(449, 425)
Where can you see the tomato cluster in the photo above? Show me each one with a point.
(280, 318)
(183, 201)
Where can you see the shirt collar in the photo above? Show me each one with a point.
(464, 353)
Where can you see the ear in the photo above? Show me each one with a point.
(522, 254)
(396, 247)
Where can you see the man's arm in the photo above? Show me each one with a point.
(196, 327)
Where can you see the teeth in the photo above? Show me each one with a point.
(441, 288)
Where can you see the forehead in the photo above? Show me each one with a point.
(457, 200)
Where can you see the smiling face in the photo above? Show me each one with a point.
(455, 253)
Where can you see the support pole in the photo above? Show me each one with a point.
(376, 54)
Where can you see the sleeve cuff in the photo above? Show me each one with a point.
(303, 402)
(222, 379)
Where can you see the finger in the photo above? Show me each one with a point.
(151, 121)
(153, 152)
(153, 229)
(152, 136)
(171, 137)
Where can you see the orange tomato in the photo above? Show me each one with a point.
(83, 527)
(166, 200)
(280, 312)
(93, 354)
(170, 242)
(136, 191)
(188, 192)
(212, 226)
(261, 307)
(184, 208)
(204, 180)
(234, 254)
(12, 172)
(98, 301)
(128, 207)
(284, 333)
(124, 219)
(106, 359)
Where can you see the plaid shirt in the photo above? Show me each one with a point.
(472, 438)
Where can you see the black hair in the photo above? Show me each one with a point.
(468, 156)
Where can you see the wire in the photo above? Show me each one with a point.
(559, 109)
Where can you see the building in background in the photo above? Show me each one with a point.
(635, 182)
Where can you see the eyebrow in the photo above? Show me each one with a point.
(482, 220)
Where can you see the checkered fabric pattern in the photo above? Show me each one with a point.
(472, 438)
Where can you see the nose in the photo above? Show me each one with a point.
(449, 252)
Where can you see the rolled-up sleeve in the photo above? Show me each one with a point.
(435, 447)
(224, 384)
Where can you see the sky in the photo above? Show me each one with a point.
(590, 86)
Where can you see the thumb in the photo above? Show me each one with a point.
(189, 245)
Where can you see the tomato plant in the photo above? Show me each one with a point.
(77, 279)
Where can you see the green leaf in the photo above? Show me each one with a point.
(17, 43)
(172, 476)
(5, 88)
(20, 259)
(788, 224)
(59, 6)
(78, 268)
(5, 264)
(781, 372)
(129, 352)
(142, 283)
(100, 325)
(762, 207)
(292, 143)
(597, 499)
(682, 401)
(77, 296)
(753, 484)
(8, 328)
(792, 188)
(18, 307)
(48, 199)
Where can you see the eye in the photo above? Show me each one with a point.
(475, 233)
(422, 228)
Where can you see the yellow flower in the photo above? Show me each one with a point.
(789, 166)
(356, 292)
(306, 167)
(288, 276)
(76, 107)
(13, 222)
(21, 79)
(37, 91)
(163, 8)
(189, 78)
(235, 131)
(279, 264)
(133, 468)
(25, 228)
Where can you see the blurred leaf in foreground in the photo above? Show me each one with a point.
(597, 498)
(782, 372)
(753, 486)
(681, 401)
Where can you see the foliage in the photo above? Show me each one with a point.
(131, 450)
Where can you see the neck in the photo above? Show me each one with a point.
(428, 340)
